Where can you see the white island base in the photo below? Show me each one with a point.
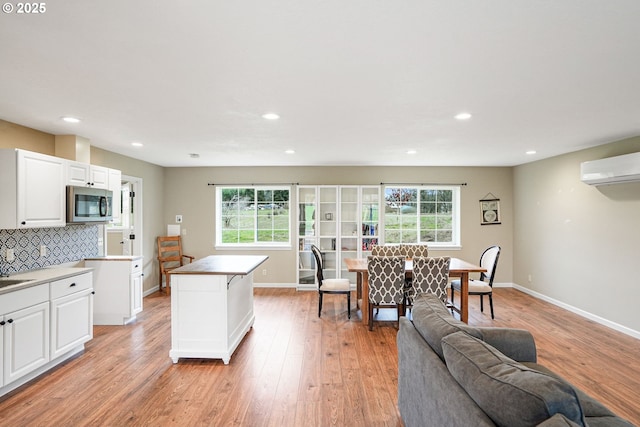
(212, 306)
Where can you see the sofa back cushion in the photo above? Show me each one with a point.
(508, 392)
(433, 321)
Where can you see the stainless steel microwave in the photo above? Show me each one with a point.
(88, 205)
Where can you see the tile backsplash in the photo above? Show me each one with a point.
(63, 244)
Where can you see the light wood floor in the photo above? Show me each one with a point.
(294, 369)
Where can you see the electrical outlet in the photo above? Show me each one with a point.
(10, 255)
(264, 271)
(43, 250)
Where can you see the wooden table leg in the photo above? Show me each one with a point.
(358, 289)
(464, 297)
(365, 298)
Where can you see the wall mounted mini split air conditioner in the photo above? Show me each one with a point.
(612, 170)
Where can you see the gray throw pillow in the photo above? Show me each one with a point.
(434, 321)
(508, 392)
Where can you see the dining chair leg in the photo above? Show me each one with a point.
(482, 303)
(349, 305)
(319, 303)
(491, 305)
(370, 316)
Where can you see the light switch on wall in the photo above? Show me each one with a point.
(10, 255)
(178, 219)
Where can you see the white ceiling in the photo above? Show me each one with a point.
(356, 82)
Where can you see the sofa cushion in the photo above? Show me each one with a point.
(508, 392)
(433, 321)
(558, 420)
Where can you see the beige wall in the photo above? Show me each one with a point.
(187, 194)
(16, 136)
(579, 243)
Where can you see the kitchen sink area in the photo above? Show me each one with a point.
(4, 282)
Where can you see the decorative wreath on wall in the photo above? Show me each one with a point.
(489, 210)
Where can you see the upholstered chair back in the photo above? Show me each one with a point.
(386, 250)
(430, 275)
(386, 279)
(414, 250)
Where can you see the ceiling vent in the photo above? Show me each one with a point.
(612, 170)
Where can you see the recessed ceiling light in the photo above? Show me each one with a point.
(531, 152)
(69, 119)
(290, 152)
(411, 152)
(137, 144)
(270, 116)
(194, 155)
(463, 116)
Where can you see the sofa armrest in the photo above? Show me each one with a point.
(517, 344)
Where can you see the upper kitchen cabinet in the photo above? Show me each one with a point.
(32, 191)
(86, 175)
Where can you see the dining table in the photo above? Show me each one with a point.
(457, 268)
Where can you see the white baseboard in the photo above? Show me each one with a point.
(618, 327)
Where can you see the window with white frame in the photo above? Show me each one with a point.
(422, 214)
(253, 216)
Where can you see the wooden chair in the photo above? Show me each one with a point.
(170, 256)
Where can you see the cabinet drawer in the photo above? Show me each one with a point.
(67, 286)
(136, 266)
(17, 300)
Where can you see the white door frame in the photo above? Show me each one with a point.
(136, 185)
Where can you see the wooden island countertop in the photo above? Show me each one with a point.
(223, 264)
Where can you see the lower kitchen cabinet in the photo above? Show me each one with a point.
(25, 330)
(26, 341)
(71, 313)
(118, 289)
(44, 324)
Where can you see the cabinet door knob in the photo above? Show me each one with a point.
(10, 321)
(93, 292)
(23, 223)
(72, 285)
(2, 323)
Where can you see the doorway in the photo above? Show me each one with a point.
(125, 237)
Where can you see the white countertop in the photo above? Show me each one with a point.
(115, 258)
(44, 275)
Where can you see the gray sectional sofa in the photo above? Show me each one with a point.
(453, 374)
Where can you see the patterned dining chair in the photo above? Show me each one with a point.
(414, 250)
(386, 250)
(430, 275)
(484, 285)
(386, 284)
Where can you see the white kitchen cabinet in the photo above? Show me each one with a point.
(212, 306)
(33, 190)
(87, 175)
(118, 289)
(26, 332)
(71, 313)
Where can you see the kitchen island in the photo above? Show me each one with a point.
(212, 306)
